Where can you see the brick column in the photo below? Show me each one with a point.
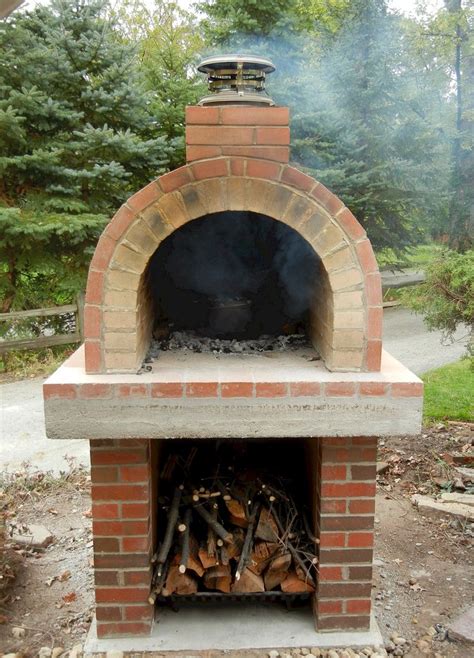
(121, 506)
(346, 520)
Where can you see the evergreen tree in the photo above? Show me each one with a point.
(76, 136)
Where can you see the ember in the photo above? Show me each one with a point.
(233, 525)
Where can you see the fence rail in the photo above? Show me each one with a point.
(45, 341)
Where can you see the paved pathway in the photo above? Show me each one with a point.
(22, 436)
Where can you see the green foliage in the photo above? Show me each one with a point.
(448, 393)
(446, 299)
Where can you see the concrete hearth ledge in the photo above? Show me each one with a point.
(232, 396)
(233, 628)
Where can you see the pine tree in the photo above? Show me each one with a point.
(76, 136)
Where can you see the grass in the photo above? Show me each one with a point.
(416, 257)
(19, 364)
(449, 392)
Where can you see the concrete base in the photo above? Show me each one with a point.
(233, 627)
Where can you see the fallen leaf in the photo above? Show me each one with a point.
(64, 576)
(3, 619)
(53, 511)
(87, 513)
(70, 598)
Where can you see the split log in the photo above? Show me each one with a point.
(261, 556)
(248, 582)
(234, 550)
(237, 514)
(206, 561)
(292, 584)
(179, 583)
(267, 529)
(218, 578)
(277, 571)
(215, 525)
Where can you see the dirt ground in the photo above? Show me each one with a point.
(423, 575)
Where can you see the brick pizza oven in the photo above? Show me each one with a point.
(327, 402)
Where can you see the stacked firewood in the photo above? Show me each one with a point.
(238, 533)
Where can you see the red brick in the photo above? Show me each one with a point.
(329, 472)
(343, 623)
(344, 589)
(135, 510)
(329, 539)
(93, 356)
(196, 114)
(362, 506)
(345, 389)
(373, 289)
(370, 441)
(330, 573)
(375, 322)
(167, 390)
(135, 544)
(144, 197)
(296, 178)
(122, 595)
(254, 116)
(237, 166)
(218, 135)
(275, 153)
(120, 222)
(372, 388)
(120, 492)
(104, 474)
(123, 629)
(329, 607)
(365, 472)
(366, 257)
(273, 136)
(301, 389)
(263, 169)
(327, 199)
(333, 506)
(106, 545)
(106, 578)
(347, 522)
(95, 287)
(345, 555)
(202, 152)
(103, 252)
(358, 606)
(88, 391)
(407, 390)
(122, 528)
(349, 489)
(137, 577)
(350, 225)
(92, 321)
(66, 391)
(121, 560)
(361, 539)
(374, 355)
(210, 169)
(117, 456)
(237, 390)
(271, 389)
(108, 613)
(360, 573)
(105, 511)
(201, 390)
(175, 179)
(133, 391)
(135, 473)
(139, 612)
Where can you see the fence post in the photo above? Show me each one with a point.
(80, 314)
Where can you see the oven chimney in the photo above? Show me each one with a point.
(236, 79)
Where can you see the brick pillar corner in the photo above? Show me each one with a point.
(345, 522)
(121, 520)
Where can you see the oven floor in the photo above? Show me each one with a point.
(231, 627)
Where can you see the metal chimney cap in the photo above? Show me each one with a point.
(236, 79)
(234, 61)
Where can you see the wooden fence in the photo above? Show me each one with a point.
(46, 341)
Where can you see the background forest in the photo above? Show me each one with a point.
(92, 98)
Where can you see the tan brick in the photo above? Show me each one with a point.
(298, 211)
(350, 339)
(120, 319)
(346, 279)
(120, 361)
(121, 299)
(173, 208)
(258, 194)
(331, 238)
(120, 280)
(130, 260)
(142, 238)
(213, 195)
(339, 260)
(347, 300)
(345, 360)
(193, 203)
(277, 201)
(349, 319)
(156, 222)
(120, 341)
(236, 193)
(314, 225)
